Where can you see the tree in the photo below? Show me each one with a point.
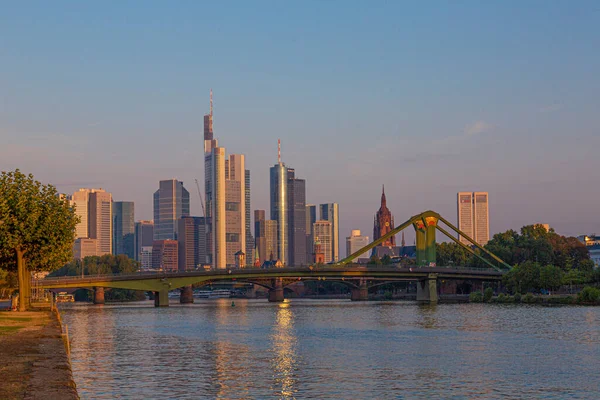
(386, 260)
(374, 260)
(37, 230)
(550, 277)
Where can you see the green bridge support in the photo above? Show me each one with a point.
(276, 294)
(187, 295)
(420, 243)
(427, 290)
(161, 298)
(361, 293)
(430, 242)
(98, 295)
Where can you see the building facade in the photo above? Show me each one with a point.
(297, 220)
(311, 218)
(473, 216)
(100, 220)
(124, 228)
(144, 236)
(165, 255)
(191, 238)
(355, 242)
(171, 202)
(279, 209)
(84, 247)
(249, 239)
(260, 235)
(271, 238)
(323, 236)
(235, 207)
(330, 212)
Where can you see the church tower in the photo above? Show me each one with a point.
(384, 222)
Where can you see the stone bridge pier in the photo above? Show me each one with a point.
(361, 293)
(187, 295)
(427, 289)
(161, 298)
(98, 295)
(276, 294)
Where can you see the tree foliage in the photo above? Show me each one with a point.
(99, 265)
(449, 254)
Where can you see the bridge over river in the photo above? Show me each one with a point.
(358, 277)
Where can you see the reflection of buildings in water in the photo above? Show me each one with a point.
(285, 358)
(427, 316)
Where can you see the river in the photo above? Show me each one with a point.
(333, 349)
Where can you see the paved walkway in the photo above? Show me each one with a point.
(33, 360)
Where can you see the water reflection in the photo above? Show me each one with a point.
(284, 348)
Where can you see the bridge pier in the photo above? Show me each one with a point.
(427, 290)
(187, 295)
(276, 294)
(361, 293)
(161, 298)
(98, 295)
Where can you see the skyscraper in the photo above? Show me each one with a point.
(384, 223)
(100, 220)
(123, 228)
(355, 242)
(80, 200)
(144, 236)
(279, 207)
(271, 237)
(260, 234)
(218, 214)
(311, 218)
(249, 239)
(165, 255)
(296, 220)
(191, 238)
(235, 207)
(473, 216)
(171, 202)
(322, 235)
(330, 212)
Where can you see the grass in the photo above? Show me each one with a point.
(5, 318)
(5, 330)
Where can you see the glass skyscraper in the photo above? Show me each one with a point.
(171, 202)
(123, 228)
(330, 212)
(279, 209)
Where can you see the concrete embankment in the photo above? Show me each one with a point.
(34, 363)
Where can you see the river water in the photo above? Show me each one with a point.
(333, 349)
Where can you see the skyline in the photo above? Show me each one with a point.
(428, 101)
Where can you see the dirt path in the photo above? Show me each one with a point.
(33, 361)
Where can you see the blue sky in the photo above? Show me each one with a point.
(427, 99)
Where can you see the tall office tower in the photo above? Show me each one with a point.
(323, 236)
(218, 213)
(171, 202)
(123, 228)
(235, 207)
(144, 236)
(355, 242)
(165, 255)
(296, 220)
(271, 238)
(80, 200)
(330, 212)
(100, 220)
(249, 239)
(473, 216)
(279, 207)
(384, 223)
(84, 247)
(311, 218)
(260, 234)
(208, 121)
(191, 238)
(145, 258)
(210, 143)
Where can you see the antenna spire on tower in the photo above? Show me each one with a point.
(211, 107)
(279, 151)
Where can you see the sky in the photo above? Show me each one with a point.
(428, 99)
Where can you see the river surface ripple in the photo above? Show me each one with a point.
(333, 349)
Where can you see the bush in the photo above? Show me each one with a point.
(501, 298)
(517, 297)
(589, 295)
(487, 294)
(387, 295)
(529, 299)
(475, 297)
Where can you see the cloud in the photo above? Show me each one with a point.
(550, 108)
(476, 128)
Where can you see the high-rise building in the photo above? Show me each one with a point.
(355, 242)
(192, 243)
(311, 218)
(473, 216)
(330, 212)
(271, 237)
(249, 238)
(218, 213)
(279, 208)
(100, 220)
(84, 247)
(322, 235)
(144, 236)
(79, 201)
(235, 207)
(260, 235)
(296, 220)
(123, 228)
(165, 255)
(171, 202)
(383, 223)
(145, 258)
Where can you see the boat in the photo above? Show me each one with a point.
(64, 297)
(220, 294)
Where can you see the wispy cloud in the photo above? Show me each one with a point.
(550, 108)
(477, 128)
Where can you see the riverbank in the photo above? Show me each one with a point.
(33, 359)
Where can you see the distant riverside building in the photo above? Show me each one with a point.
(473, 216)
(191, 238)
(171, 202)
(260, 235)
(322, 235)
(145, 258)
(84, 247)
(279, 208)
(144, 236)
(124, 228)
(80, 200)
(296, 219)
(249, 238)
(330, 212)
(94, 208)
(235, 207)
(271, 237)
(592, 243)
(311, 218)
(355, 242)
(165, 255)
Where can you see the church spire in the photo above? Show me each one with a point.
(383, 201)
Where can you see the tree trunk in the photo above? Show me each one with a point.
(22, 272)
